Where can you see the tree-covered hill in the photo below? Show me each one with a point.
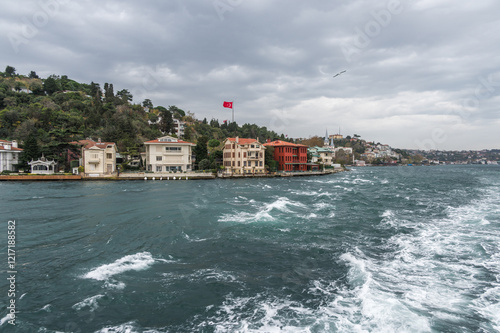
(58, 110)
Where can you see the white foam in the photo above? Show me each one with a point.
(281, 204)
(123, 328)
(135, 262)
(91, 303)
(5, 319)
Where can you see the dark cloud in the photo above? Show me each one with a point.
(414, 68)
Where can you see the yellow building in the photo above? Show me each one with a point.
(98, 158)
(243, 156)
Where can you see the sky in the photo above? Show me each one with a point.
(415, 74)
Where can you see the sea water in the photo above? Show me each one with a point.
(389, 249)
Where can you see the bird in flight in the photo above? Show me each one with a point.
(339, 73)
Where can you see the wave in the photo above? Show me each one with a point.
(90, 303)
(282, 204)
(135, 262)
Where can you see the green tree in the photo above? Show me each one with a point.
(33, 75)
(147, 103)
(269, 161)
(125, 96)
(50, 85)
(10, 71)
(31, 151)
(204, 164)
(200, 150)
(166, 124)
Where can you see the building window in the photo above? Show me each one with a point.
(158, 158)
(158, 168)
(173, 148)
(238, 163)
(244, 163)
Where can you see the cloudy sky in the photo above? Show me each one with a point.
(418, 73)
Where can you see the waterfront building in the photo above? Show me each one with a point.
(9, 155)
(167, 154)
(243, 156)
(98, 158)
(323, 155)
(290, 156)
(43, 166)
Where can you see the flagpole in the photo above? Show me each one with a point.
(232, 109)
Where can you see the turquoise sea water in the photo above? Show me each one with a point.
(394, 249)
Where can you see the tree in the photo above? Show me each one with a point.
(213, 143)
(204, 164)
(50, 85)
(10, 71)
(166, 124)
(33, 75)
(200, 150)
(109, 94)
(147, 103)
(124, 95)
(271, 164)
(31, 151)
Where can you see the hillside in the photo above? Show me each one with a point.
(57, 110)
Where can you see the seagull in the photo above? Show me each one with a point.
(339, 73)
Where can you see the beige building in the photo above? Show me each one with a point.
(167, 154)
(9, 155)
(243, 156)
(98, 158)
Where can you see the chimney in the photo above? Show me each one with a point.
(237, 140)
(99, 140)
(14, 144)
(268, 140)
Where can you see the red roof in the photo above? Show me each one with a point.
(279, 143)
(243, 141)
(11, 148)
(90, 143)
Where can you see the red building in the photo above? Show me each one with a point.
(290, 156)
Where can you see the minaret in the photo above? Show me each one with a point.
(326, 141)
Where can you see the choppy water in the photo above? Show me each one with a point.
(410, 249)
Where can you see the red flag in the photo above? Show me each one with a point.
(228, 105)
(225, 121)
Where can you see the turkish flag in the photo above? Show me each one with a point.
(228, 105)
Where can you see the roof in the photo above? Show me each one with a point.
(87, 144)
(178, 141)
(2, 146)
(243, 141)
(279, 143)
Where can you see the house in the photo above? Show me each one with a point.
(9, 155)
(167, 154)
(323, 155)
(290, 156)
(43, 166)
(98, 158)
(178, 129)
(243, 156)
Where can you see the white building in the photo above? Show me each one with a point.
(43, 166)
(9, 155)
(167, 154)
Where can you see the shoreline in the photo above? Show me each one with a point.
(161, 177)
